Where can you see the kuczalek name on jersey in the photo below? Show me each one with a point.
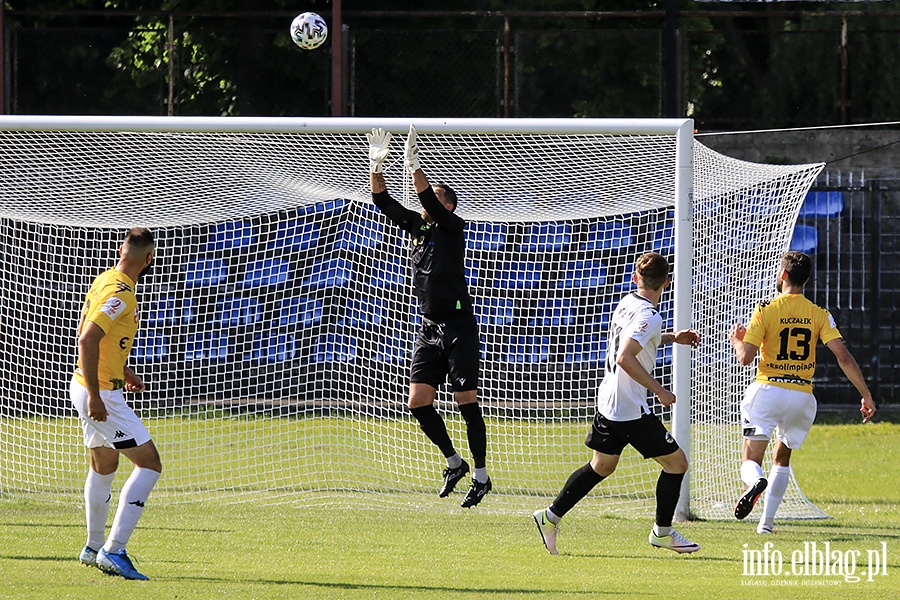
(786, 330)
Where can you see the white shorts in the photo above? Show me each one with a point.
(121, 430)
(768, 408)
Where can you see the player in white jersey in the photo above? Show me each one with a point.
(623, 416)
(784, 331)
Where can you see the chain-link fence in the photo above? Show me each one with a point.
(726, 70)
(857, 277)
(425, 73)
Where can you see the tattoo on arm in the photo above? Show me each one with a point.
(377, 183)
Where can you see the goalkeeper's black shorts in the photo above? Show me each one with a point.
(449, 347)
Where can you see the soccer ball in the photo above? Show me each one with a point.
(309, 30)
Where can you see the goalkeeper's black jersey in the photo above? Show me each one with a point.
(438, 256)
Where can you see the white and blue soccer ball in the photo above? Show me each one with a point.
(309, 30)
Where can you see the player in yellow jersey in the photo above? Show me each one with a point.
(784, 331)
(109, 322)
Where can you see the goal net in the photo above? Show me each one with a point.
(278, 319)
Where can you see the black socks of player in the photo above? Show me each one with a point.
(476, 432)
(433, 426)
(668, 490)
(577, 486)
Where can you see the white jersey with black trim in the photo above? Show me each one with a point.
(619, 397)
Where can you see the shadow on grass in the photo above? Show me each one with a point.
(693, 557)
(70, 558)
(845, 533)
(143, 527)
(555, 593)
(41, 525)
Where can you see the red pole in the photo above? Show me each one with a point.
(337, 99)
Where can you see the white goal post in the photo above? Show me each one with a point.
(278, 320)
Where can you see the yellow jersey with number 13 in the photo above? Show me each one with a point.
(112, 305)
(786, 330)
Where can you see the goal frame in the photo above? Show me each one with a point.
(681, 129)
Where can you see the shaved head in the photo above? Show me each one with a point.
(136, 252)
(138, 242)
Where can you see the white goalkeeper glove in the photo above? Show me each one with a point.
(412, 151)
(379, 142)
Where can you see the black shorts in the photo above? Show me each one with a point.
(448, 347)
(648, 436)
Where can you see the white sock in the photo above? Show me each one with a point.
(131, 505)
(454, 461)
(551, 516)
(97, 490)
(660, 531)
(778, 481)
(480, 475)
(750, 472)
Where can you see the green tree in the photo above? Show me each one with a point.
(116, 56)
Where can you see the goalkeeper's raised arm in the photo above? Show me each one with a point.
(439, 209)
(379, 148)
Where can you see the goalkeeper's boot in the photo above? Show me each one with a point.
(452, 477)
(88, 557)
(476, 493)
(118, 563)
(674, 541)
(548, 530)
(748, 499)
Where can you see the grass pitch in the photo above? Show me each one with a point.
(208, 550)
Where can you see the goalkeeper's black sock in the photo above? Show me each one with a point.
(433, 425)
(577, 487)
(668, 490)
(476, 432)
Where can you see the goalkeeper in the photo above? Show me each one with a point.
(448, 342)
